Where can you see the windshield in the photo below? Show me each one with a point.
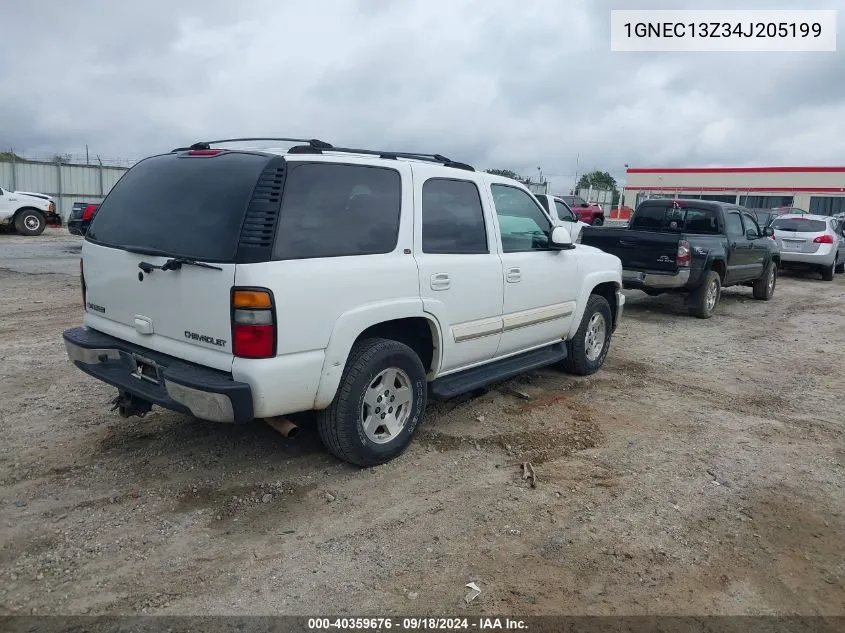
(799, 225)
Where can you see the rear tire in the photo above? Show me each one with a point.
(703, 302)
(827, 273)
(587, 350)
(30, 222)
(764, 287)
(366, 423)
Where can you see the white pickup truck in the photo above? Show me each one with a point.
(558, 208)
(235, 284)
(25, 212)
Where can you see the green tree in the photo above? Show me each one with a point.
(597, 180)
(506, 173)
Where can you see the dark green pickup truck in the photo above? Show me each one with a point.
(696, 247)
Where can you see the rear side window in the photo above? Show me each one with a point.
(799, 225)
(332, 210)
(734, 225)
(669, 217)
(452, 217)
(182, 206)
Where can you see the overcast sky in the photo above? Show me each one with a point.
(495, 83)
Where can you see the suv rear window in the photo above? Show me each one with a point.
(665, 216)
(334, 209)
(180, 205)
(799, 225)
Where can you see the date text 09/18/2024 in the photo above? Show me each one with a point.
(417, 624)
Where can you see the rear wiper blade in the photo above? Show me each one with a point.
(175, 263)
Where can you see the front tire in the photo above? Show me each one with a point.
(598, 221)
(587, 350)
(704, 300)
(30, 222)
(378, 406)
(764, 287)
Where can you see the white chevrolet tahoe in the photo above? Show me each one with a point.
(241, 284)
(26, 212)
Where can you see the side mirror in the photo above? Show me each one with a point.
(561, 239)
(751, 234)
(768, 231)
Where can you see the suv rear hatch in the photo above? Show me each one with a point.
(196, 214)
(797, 235)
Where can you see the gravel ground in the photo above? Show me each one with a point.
(700, 472)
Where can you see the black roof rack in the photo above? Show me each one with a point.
(432, 158)
(316, 146)
(313, 142)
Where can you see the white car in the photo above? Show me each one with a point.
(564, 214)
(235, 284)
(811, 241)
(25, 212)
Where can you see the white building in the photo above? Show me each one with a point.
(815, 189)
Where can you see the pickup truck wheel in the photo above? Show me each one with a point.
(587, 350)
(598, 221)
(703, 301)
(827, 272)
(30, 222)
(764, 287)
(378, 405)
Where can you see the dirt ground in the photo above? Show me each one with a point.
(702, 471)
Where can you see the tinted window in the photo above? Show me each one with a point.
(187, 206)
(544, 201)
(452, 217)
(799, 225)
(734, 226)
(751, 223)
(667, 216)
(522, 223)
(564, 212)
(330, 210)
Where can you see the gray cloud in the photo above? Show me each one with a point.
(477, 79)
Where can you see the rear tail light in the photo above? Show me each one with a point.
(684, 254)
(82, 282)
(253, 323)
(824, 239)
(89, 212)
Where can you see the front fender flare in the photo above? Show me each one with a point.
(591, 280)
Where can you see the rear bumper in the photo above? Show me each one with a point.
(822, 258)
(77, 227)
(637, 279)
(177, 385)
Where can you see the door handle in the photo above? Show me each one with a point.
(440, 281)
(514, 275)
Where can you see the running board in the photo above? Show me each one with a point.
(478, 377)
